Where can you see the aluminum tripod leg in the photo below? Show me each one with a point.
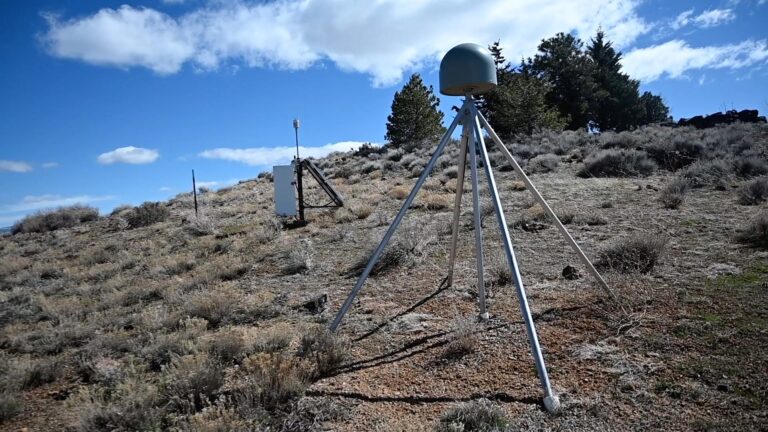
(367, 271)
(552, 216)
(457, 204)
(550, 400)
(477, 217)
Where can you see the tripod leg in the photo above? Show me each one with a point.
(364, 276)
(478, 227)
(552, 216)
(550, 400)
(457, 203)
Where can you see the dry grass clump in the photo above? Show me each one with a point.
(479, 415)
(324, 349)
(636, 254)
(227, 346)
(273, 340)
(132, 404)
(191, 382)
(403, 250)
(617, 163)
(463, 339)
(147, 214)
(214, 305)
(754, 192)
(434, 201)
(399, 192)
(755, 234)
(361, 211)
(268, 382)
(201, 225)
(300, 258)
(50, 220)
(673, 195)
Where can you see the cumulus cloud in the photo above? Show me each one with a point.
(708, 18)
(15, 166)
(383, 39)
(129, 155)
(274, 155)
(39, 202)
(674, 58)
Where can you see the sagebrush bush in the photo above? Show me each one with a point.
(754, 192)
(680, 152)
(543, 163)
(636, 254)
(673, 194)
(10, 405)
(131, 405)
(479, 415)
(324, 349)
(755, 234)
(147, 214)
(50, 220)
(617, 163)
(706, 173)
(227, 346)
(463, 338)
(750, 166)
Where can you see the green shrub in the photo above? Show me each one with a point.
(617, 163)
(50, 220)
(147, 214)
(480, 416)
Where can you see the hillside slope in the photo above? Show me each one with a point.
(215, 324)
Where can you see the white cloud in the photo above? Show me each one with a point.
(274, 155)
(708, 18)
(15, 166)
(39, 202)
(383, 39)
(676, 57)
(129, 155)
(50, 165)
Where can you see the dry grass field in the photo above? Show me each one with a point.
(151, 319)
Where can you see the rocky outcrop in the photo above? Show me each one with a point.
(728, 117)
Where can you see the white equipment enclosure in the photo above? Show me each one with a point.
(285, 192)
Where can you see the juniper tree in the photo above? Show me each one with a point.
(415, 115)
(518, 103)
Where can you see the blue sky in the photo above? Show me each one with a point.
(106, 102)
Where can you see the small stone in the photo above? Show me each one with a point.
(571, 273)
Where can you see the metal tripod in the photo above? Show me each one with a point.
(472, 142)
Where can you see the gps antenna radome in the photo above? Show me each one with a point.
(468, 70)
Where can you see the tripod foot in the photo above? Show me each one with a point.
(485, 316)
(552, 404)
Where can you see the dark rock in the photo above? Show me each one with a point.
(571, 273)
(728, 117)
(315, 304)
